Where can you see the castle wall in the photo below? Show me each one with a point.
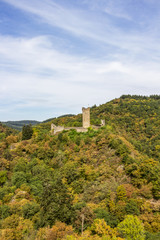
(58, 129)
(78, 129)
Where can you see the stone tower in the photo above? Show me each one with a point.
(102, 122)
(86, 117)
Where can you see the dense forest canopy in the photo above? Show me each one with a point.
(102, 184)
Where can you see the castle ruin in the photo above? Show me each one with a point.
(85, 120)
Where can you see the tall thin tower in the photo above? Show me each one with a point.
(86, 117)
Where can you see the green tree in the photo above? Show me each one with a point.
(156, 189)
(110, 219)
(131, 228)
(121, 193)
(151, 236)
(19, 178)
(4, 211)
(56, 202)
(30, 209)
(3, 177)
(132, 208)
(27, 132)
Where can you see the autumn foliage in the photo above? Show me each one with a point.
(103, 184)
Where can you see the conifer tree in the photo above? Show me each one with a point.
(27, 132)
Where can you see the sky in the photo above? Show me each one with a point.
(57, 56)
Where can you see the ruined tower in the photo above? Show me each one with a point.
(102, 122)
(86, 117)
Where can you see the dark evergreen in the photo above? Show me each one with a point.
(27, 132)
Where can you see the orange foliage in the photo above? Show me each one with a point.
(130, 190)
(58, 231)
(11, 139)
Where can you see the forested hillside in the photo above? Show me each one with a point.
(102, 184)
(19, 124)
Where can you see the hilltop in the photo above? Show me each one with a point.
(50, 183)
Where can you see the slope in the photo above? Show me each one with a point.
(104, 174)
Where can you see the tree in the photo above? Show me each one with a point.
(19, 178)
(27, 132)
(132, 208)
(101, 228)
(4, 211)
(131, 228)
(83, 219)
(59, 231)
(109, 218)
(30, 209)
(121, 193)
(56, 202)
(3, 177)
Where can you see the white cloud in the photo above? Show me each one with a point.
(33, 68)
(84, 24)
(38, 73)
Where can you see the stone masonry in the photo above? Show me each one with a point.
(86, 117)
(86, 123)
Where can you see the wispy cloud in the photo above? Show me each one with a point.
(33, 65)
(49, 72)
(84, 24)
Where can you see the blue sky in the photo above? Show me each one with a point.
(59, 55)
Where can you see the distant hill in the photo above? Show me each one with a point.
(19, 124)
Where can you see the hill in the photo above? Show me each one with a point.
(62, 116)
(6, 131)
(58, 185)
(19, 124)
